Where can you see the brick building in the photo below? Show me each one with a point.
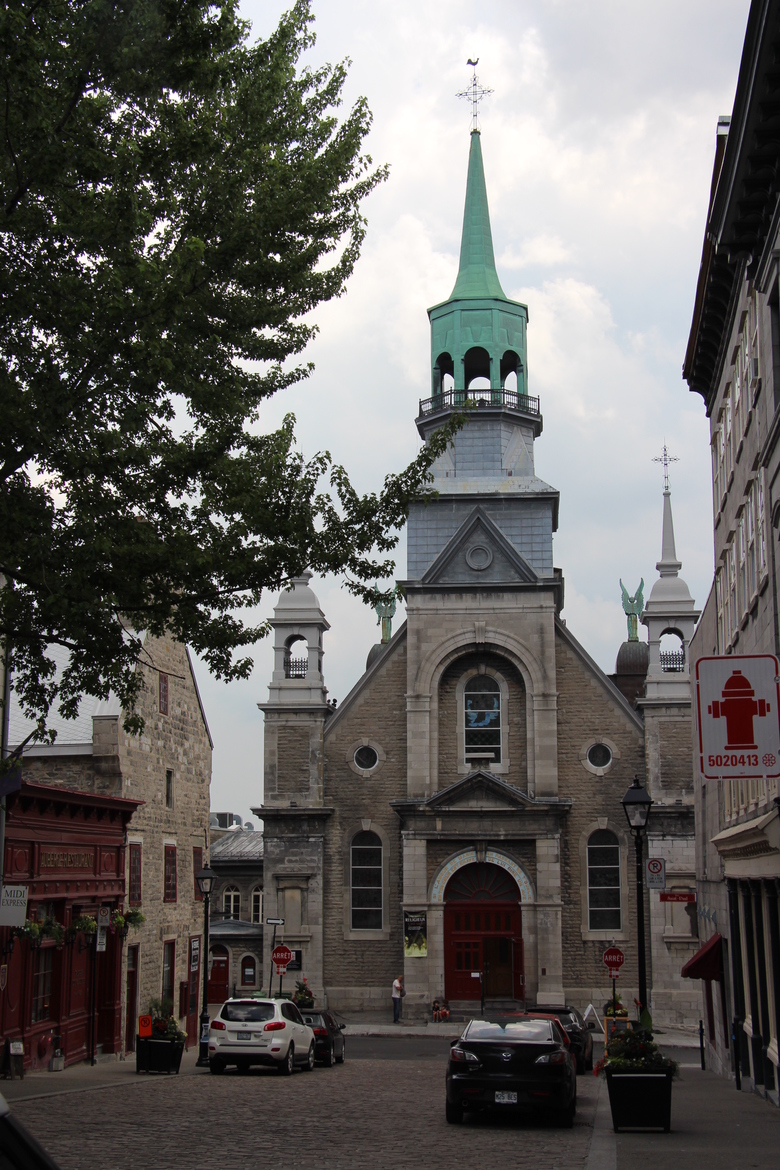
(166, 771)
(459, 816)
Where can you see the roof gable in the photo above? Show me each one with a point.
(480, 789)
(478, 554)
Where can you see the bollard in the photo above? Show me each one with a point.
(701, 1044)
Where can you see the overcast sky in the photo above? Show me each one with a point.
(598, 144)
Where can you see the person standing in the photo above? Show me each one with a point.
(398, 994)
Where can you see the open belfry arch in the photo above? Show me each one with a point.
(454, 786)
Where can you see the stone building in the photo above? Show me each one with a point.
(459, 818)
(236, 929)
(733, 362)
(167, 771)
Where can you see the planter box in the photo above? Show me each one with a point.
(640, 1100)
(163, 1056)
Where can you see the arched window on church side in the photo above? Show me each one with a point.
(604, 908)
(482, 724)
(366, 881)
(231, 902)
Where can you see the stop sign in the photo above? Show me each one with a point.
(613, 961)
(281, 955)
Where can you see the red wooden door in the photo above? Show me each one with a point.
(131, 1007)
(219, 975)
(482, 934)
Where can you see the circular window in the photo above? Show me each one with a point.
(599, 755)
(366, 758)
(479, 557)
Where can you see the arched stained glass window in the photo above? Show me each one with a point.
(604, 908)
(366, 881)
(482, 710)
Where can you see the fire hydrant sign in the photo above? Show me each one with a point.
(738, 708)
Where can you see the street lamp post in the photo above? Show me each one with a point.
(205, 880)
(636, 804)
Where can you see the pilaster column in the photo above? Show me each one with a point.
(548, 923)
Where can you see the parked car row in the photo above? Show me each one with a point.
(272, 1032)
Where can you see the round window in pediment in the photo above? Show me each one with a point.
(479, 557)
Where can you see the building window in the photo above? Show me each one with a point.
(366, 882)
(41, 986)
(231, 902)
(482, 710)
(134, 893)
(719, 601)
(604, 910)
(248, 971)
(168, 971)
(163, 693)
(760, 527)
(170, 873)
(169, 787)
(257, 905)
(750, 534)
(197, 866)
(731, 565)
(717, 467)
(742, 563)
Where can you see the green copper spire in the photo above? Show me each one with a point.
(477, 276)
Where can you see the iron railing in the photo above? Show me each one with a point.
(481, 396)
(673, 660)
(295, 667)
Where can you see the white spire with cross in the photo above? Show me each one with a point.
(475, 93)
(666, 459)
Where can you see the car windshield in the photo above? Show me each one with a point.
(313, 1019)
(247, 1010)
(533, 1030)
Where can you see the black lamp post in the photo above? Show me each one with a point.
(205, 880)
(636, 804)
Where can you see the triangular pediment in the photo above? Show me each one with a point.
(479, 790)
(479, 553)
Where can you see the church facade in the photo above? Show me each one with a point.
(458, 819)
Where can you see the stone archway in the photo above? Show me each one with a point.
(483, 936)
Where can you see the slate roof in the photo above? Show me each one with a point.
(240, 845)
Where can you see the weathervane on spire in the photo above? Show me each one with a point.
(475, 93)
(666, 459)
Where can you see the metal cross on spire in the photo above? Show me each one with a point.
(475, 93)
(666, 459)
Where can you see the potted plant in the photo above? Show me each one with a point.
(639, 1081)
(303, 996)
(162, 1051)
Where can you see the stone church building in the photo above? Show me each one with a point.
(458, 818)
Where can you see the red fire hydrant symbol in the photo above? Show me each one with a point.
(739, 706)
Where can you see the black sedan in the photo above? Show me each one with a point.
(579, 1034)
(518, 1064)
(330, 1047)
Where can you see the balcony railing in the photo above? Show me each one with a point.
(673, 660)
(295, 667)
(481, 396)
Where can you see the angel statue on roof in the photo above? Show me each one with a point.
(632, 607)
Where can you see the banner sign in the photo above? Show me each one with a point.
(678, 896)
(13, 906)
(415, 934)
(738, 710)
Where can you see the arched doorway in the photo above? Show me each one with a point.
(483, 934)
(219, 974)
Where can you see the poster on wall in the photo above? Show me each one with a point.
(415, 934)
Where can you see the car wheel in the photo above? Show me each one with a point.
(216, 1067)
(309, 1065)
(330, 1058)
(343, 1057)
(453, 1113)
(288, 1064)
(565, 1117)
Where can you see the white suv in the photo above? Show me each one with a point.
(260, 1031)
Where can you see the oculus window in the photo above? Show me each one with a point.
(482, 710)
(599, 755)
(604, 908)
(366, 882)
(366, 758)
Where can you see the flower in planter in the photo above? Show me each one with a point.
(164, 1026)
(637, 1052)
(303, 993)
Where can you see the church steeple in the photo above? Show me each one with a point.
(477, 276)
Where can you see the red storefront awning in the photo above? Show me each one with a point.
(706, 963)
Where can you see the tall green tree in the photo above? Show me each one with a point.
(174, 202)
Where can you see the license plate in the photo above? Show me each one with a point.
(506, 1098)
(243, 1035)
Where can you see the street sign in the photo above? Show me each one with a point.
(738, 709)
(281, 968)
(101, 938)
(194, 954)
(13, 905)
(613, 961)
(274, 922)
(678, 896)
(655, 873)
(281, 956)
(104, 917)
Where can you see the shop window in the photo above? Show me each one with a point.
(163, 693)
(197, 866)
(231, 902)
(257, 905)
(604, 903)
(170, 873)
(169, 787)
(168, 971)
(248, 971)
(41, 987)
(482, 710)
(134, 892)
(366, 881)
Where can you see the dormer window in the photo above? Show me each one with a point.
(482, 719)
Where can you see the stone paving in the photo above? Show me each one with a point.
(365, 1113)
